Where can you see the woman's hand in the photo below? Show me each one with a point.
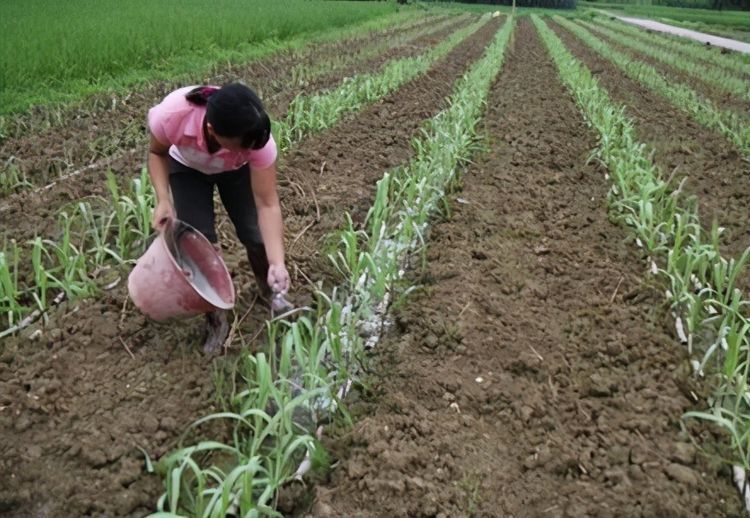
(278, 278)
(162, 213)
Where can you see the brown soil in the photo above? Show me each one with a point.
(76, 405)
(716, 171)
(533, 377)
(720, 98)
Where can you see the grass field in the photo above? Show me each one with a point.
(60, 50)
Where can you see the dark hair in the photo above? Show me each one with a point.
(234, 110)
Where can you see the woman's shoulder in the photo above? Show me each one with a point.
(265, 156)
(174, 115)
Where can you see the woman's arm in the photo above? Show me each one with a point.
(158, 170)
(270, 223)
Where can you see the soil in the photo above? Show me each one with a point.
(715, 170)
(535, 374)
(82, 393)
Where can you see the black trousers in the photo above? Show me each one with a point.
(193, 195)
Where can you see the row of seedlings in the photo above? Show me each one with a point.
(714, 76)
(284, 394)
(302, 73)
(92, 248)
(733, 126)
(710, 312)
(688, 48)
(313, 113)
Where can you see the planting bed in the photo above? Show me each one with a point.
(534, 371)
(533, 376)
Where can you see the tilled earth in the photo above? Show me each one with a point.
(536, 375)
(76, 406)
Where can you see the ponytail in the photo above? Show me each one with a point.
(200, 94)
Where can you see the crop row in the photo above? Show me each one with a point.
(714, 76)
(313, 113)
(710, 312)
(688, 48)
(307, 370)
(734, 127)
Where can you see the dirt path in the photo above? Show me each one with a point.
(533, 376)
(716, 171)
(702, 37)
(75, 405)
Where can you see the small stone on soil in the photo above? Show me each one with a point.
(22, 423)
(682, 474)
(684, 453)
(599, 387)
(149, 424)
(168, 424)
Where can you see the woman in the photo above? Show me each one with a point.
(206, 136)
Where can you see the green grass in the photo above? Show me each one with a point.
(60, 50)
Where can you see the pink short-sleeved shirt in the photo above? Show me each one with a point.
(179, 122)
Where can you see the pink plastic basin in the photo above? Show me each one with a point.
(180, 275)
